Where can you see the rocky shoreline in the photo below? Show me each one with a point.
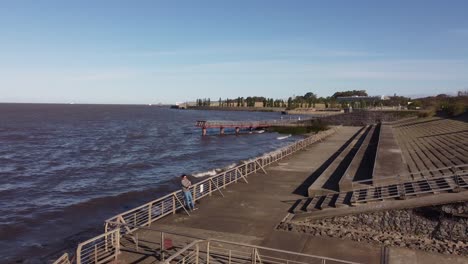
(442, 229)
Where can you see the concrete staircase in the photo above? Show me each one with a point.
(455, 182)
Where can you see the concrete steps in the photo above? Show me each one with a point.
(352, 171)
(372, 194)
(317, 187)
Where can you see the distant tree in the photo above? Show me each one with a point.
(290, 102)
(462, 93)
(350, 93)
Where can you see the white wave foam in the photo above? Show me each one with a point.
(206, 173)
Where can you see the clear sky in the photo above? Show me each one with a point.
(173, 51)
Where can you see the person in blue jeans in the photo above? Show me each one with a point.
(186, 184)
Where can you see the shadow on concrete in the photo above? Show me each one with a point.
(366, 167)
(333, 182)
(302, 189)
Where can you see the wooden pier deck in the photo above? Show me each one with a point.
(237, 125)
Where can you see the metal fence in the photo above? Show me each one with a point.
(100, 249)
(444, 171)
(219, 251)
(186, 249)
(64, 259)
(453, 182)
(145, 214)
(243, 124)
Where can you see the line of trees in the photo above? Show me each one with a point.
(308, 100)
(203, 102)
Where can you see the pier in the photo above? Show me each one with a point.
(238, 125)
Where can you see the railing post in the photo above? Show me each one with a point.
(173, 204)
(194, 193)
(254, 256)
(209, 187)
(78, 254)
(95, 254)
(117, 243)
(105, 238)
(224, 180)
(149, 213)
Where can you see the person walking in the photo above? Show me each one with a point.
(186, 184)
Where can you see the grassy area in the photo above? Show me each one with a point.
(312, 127)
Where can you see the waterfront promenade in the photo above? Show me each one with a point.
(249, 213)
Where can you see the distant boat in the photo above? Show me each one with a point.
(284, 137)
(259, 131)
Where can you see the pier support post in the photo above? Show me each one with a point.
(221, 130)
(204, 131)
(237, 131)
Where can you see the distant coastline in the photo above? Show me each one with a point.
(249, 109)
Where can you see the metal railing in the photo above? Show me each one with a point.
(244, 124)
(145, 214)
(100, 249)
(64, 259)
(460, 169)
(454, 182)
(188, 249)
(220, 251)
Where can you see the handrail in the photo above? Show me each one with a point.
(250, 123)
(145, 214)
(64, 259)
(209, 241)
(180, 252)
(457, 168)
(99, 249)
(255, 249)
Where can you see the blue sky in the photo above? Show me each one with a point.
(173, 51)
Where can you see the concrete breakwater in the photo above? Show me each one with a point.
(441, 229)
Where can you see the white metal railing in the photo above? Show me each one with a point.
(262, 123)
(64, 259)
(147, 213)
(412, 176)
(189, 249)
(220, 251)
(100, 249)
(453, 182)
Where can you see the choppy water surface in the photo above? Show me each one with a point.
(64, 169)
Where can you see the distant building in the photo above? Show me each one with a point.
(356, 98)
(258, 104)
(320, 106)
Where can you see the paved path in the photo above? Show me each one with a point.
(250, 212)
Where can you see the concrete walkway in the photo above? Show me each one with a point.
(250, 212)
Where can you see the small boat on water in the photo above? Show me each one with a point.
(284, 137)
